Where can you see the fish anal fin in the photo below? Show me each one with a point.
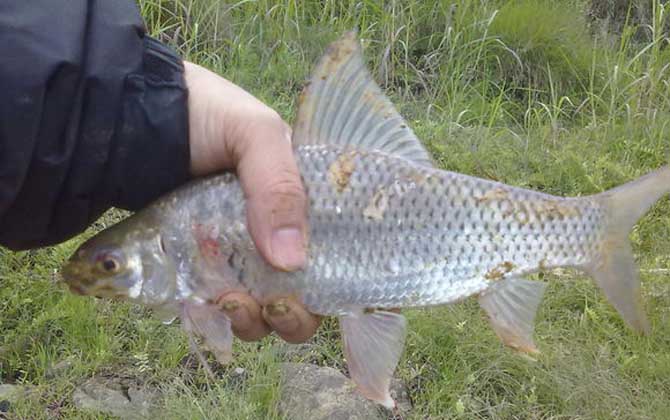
(511, 306)
(165, 313)
(373, 344)
(343, 106)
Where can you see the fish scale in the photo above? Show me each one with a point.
(417, 255)
(439, 251)
(386, 230)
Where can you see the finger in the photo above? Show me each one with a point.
(230, 128)
(276, 200)
(245, 316)
(290, 320)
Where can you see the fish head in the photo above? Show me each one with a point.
(123, 262)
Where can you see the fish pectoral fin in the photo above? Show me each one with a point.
(213, 326)
(373, 343)
(166, 314)
(342, 105)
(511, 306)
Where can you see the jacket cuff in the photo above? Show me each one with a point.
(153, 155)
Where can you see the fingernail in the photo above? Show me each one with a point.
(277, 309)
(288, 248)
(238, 314)
(280, 317)
(230, 305)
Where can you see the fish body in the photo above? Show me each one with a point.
(386, 230)
(395, 234)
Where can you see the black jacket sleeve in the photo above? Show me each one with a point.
(92, 115)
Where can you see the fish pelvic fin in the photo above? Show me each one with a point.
(373, 344)
(213, 326)
(511, 306)
(615, 270)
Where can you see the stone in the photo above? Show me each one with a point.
(299, 353)
(4, 407)
(10, 394)
(110, 396)
(319, 393)
(400, 395)
(59, 368)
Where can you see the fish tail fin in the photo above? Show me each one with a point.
(615, 271)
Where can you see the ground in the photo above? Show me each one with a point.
(521, 92)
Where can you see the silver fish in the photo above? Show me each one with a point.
(387, 230)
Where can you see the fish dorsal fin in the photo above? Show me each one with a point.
(342, 105)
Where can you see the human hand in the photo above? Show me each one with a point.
(231, 129)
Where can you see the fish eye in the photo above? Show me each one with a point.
(108, 264)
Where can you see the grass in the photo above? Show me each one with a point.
(521, 92)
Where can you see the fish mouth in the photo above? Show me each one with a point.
(108, 292)
(98, 291)
(79, 279)
(82, 282)
(77, 290)
(71, 271)
(74, 275)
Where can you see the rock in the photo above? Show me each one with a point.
(109, 396)
(301, 352)
(400, 395)
(13, 393)
(59, 368)
(10, 394)
(4, 407)
(237, 376)
(313, 392)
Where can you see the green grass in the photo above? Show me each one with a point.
(520, 92)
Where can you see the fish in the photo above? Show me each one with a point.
(387, 229)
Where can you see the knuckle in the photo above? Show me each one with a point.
(286, 186)
(303, 333)
(295, 339)
(252, 335)
(283, 193)
(268, 125)
(287, 201)
(274, 121)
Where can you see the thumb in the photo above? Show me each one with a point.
(276, 201)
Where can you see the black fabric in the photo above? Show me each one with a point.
(92, 115)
